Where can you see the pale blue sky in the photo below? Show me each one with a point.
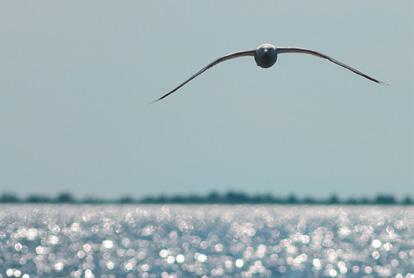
(76, 78)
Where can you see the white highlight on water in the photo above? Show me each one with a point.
(210, 241)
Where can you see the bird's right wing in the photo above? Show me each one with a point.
(212, 64)
(321, 55)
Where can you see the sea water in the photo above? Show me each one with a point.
(206, 241)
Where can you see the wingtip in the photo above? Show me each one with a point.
(154, 101)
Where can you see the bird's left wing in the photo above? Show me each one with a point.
(321, 55)
(212, 64)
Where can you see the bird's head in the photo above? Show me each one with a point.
(265, 55)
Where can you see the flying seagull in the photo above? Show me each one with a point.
(265, 56)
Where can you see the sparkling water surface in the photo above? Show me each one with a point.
(210, 241)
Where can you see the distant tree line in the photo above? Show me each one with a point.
(212, 198)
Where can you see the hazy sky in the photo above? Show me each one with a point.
(76, 78)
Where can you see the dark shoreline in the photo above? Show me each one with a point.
(229, 198)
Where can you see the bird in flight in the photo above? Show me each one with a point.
(265, 56)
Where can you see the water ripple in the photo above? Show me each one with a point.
(206, 241)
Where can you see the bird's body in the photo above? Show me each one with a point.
(265, 56)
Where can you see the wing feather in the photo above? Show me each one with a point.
(212, 64)
(321, 55)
